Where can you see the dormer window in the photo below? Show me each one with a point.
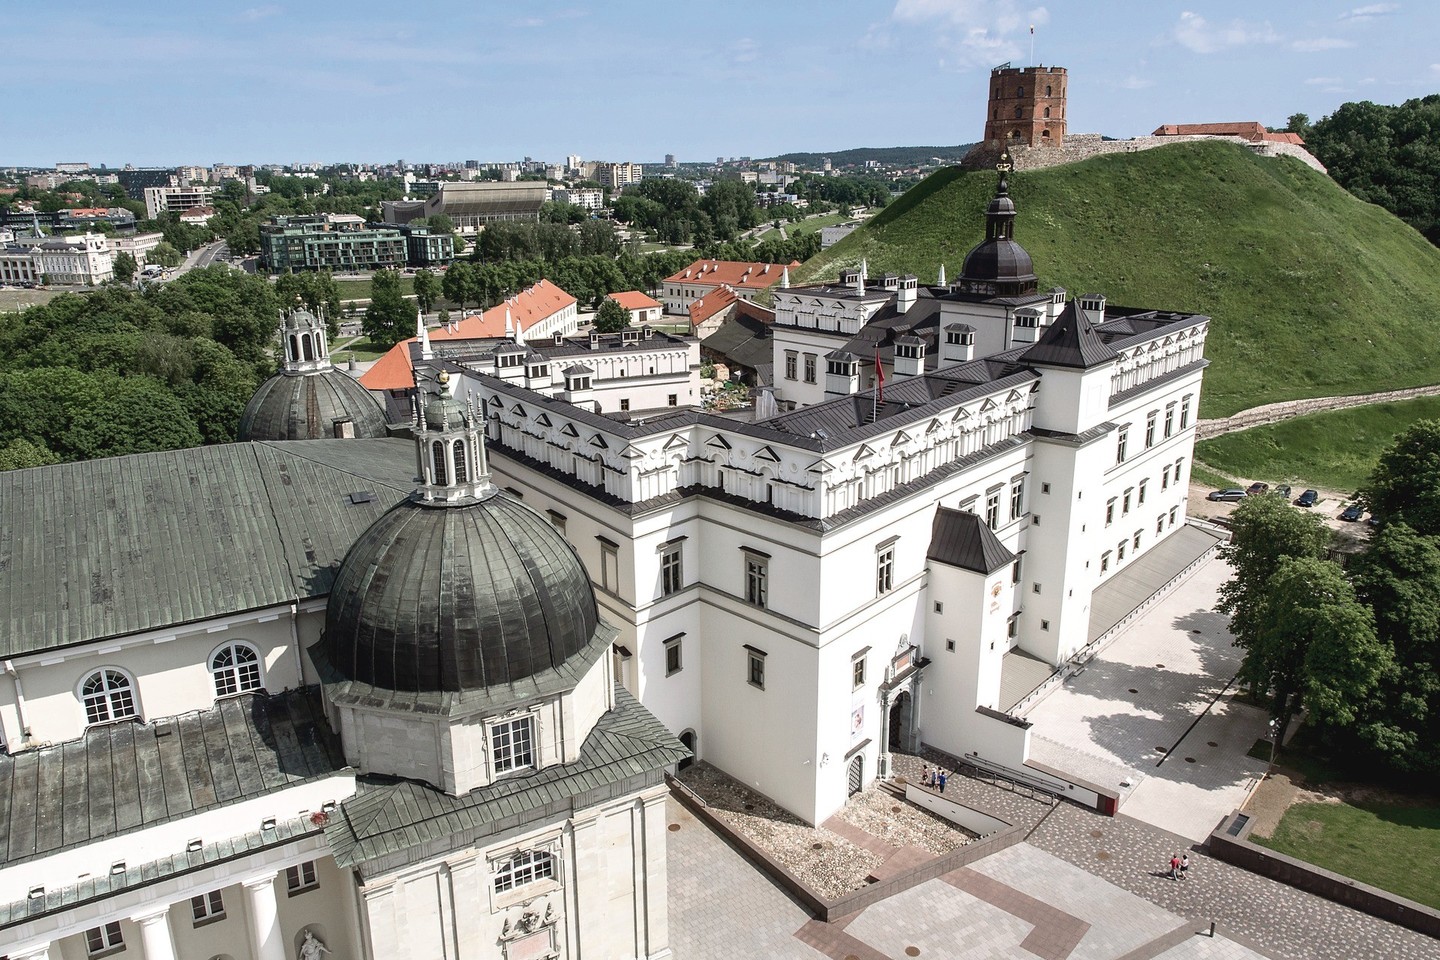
(512, 745)
(108, 695)
(235, 668)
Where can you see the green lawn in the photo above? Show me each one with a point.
(1392, 847)
(1336, 449)
(1209, 478)
(13, 299)
(1312, 292)
(813, 224)
(361, 347)
(360, 289)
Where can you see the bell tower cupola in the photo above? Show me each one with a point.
(449, 449)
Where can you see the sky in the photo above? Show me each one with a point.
(166, 83)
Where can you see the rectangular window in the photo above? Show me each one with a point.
(1160, 525)
(1012, 627)
(1017, 498)
(1141, 498)
(512, 745)
(792, 362)
(1135, 541)
(1105, 561)
(1184, 411)
(1120, 551)
(949, 646)
(1044, 488)
(1169, 420)
(809, 368)
(610, 566)
(992, 509)
(757, 579)
(671, 579)
(527, 866)
(557, 520)
(1109, 511)
(939, 607)
(857, 672)
(673, 663)
(624, 404)
(1165, 479)
(1015, 571)
(1172, 515)
(1125, 510)
(1121, 440)
(1178, 480)
(207, 907)
(885, 570)
(755, 667)
(1150, 428)
(102, 940)
(672, 399)
(301, 877)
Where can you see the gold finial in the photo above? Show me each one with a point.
(1004, 165)
(444, 377)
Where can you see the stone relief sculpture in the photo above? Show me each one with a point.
(312, 948)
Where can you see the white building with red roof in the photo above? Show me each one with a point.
(746, 280)
(643, 308)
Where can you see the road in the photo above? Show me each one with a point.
(201, 257)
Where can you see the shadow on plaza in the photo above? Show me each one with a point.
(1167, 704)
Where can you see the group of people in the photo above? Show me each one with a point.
(1179, 866)
(933, 777)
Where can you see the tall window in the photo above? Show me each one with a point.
(1135, 541)
(757, 579)
(1140, 499)
(437, 453)
(236, 669)
(1165, 479)
(527, 866)
(1109, 511)
(512, 745)
(461, 473)
(207, 907)
(1169, 419)
(992, 509)
(857, 672)
(755, 667)
(1184, 412)
(1125, 510)
(809, 368)
(885, 570)
(301, 877)
(673, 661)
(1120, 442)
(108, 695)
(670, 574)
(1105, 561)
(609, 566)
(792, 360)
(1150, 428)
(104, 939)
(1017, 498)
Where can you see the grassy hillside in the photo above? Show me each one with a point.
(1313, 292)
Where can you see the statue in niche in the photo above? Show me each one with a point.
(312, 948)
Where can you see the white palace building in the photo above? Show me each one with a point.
(403, 698)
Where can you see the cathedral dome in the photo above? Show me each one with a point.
(998, 265)
(306, 406)
(458, 597)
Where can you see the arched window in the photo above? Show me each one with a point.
(236, 669)
(461, 474)
(1047, 113)
(1045, 134)
(1047, 89)
(294, 347)
(437, 454)
(108, 695)
(307, 346)
(1018, 113)
(1019, 91)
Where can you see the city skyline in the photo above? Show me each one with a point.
(290, 83)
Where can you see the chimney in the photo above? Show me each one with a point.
(1092, 305)
(842, 374)
(1025, 325)
(958, 344)
(909, 357)
(648, 332)
(908, 288)
(594, 340)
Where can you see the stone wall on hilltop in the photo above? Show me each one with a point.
(1083, 146)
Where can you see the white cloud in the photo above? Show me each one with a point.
(1322, 81)
(1435, 67)
(528, 22)
(970, 32)
(1133, 82)
(1319, 45)
(254, 14)
(745, 50)
(1196, 33)
(1369, 12)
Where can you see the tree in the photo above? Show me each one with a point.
(20, 453)
(459, 284)
(427, 288)
(1299, 123)
(1406, 483)
(440, 223)
(124, 267)
(165, 255)
(611, 317)
(389, 318)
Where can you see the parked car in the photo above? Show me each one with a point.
(1234, 493)
(1307, 499)
(1257, 488)
(1283, 490)
(1352, 512)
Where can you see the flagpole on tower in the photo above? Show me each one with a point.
(1032, 43)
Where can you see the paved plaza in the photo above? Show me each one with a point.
(1084, 886)
(1151, 715)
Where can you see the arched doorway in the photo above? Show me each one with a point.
(856, 776)
(688, 739)
(899, 726)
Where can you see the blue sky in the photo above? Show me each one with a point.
(301, 80)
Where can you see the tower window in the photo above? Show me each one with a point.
(1047, 113)
(512, 745)
(437, 455)
(1047, 93)
(671, 574)
(236, 669)
(462, 474)
(1018, 113)
(527, 866)
(108, 695)
(1019, 91)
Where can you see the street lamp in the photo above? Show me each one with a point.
(1274, 737)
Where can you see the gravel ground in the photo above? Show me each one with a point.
(824, 861)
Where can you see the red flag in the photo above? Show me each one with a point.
(879, 378)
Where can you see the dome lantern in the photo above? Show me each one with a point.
(998, 266)
(449, 449)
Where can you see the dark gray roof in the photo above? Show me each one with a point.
(111, 547)
(460, 597)
(388, 817)
(126, 776)
(1071, 341)
(958, 538)
(743, 340)
(305, 406)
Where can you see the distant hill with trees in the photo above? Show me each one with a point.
(893, 156)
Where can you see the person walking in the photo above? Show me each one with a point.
(926, 777)
(1174, 866)
(942, 781)
(1185, 867)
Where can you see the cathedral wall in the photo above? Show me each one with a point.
(397, 745)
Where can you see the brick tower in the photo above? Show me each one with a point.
(1027, 106)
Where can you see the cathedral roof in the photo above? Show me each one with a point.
(292, 406)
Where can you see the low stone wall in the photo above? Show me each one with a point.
(825, 909)
(1083, 146)
(1285, 409)
(1230, 842)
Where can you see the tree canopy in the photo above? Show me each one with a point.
(611, 317)
(389, 318)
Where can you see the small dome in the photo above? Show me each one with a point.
(444, 413)
(456, 598)
(300, 318)
(1001, 262)
(292, 406)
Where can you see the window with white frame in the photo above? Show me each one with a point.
(1120, 551)
(527, 866)
(792, 365)
(757, 579)
(1105, 561)
(1160, 524)
(1140, 498)
(755, 667)
(1109, 511)
(301, 877)
(1135, 541)
(512, 745)
(104, 939)
(1172, 515)
(992, 509)
(108, 695)
(885, 569)
(671, 578)
(1169, 419)
(1017, 498)
(1150, 428)
(1185, 411)
(1165, 478)
(1015, 571)
(857, 672)
(1178, 475)
(1125, 504)
(207, 908)
(1122, 439)
(609, 565)
(557, 520)
(673, 659)
(810, 368)
(236, 669)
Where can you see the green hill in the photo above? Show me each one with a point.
(1313, 292)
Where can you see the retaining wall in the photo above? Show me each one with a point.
(1083, 146)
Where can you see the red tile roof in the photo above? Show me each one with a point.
(752, 276)
(392, 371)
(635, 300)
(712, 303)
